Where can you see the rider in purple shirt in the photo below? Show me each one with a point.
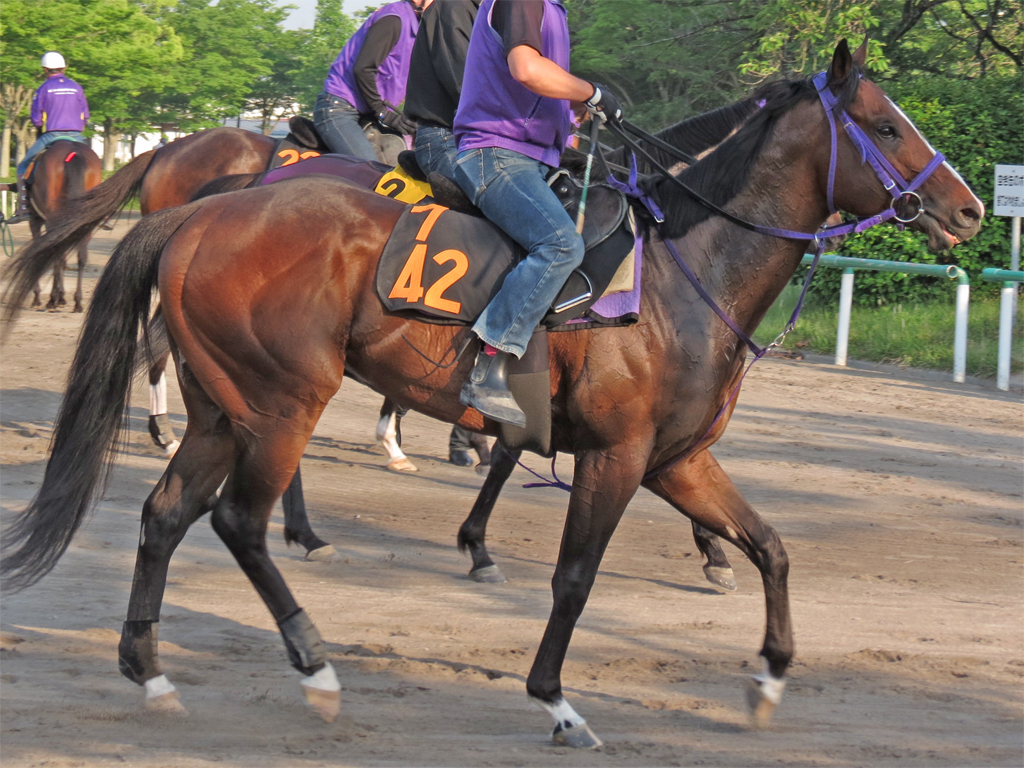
(59, 110)
(513, 121)
(368, 79)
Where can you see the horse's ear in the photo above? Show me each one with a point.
(842, 64)
(861, 54)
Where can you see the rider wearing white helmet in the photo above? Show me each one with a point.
(59, 110)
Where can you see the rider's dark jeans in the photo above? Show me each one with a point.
(511, 190)
(436, 151)
(337, 122)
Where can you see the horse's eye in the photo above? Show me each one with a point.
(887, 132)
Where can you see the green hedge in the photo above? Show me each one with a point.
(976, 124)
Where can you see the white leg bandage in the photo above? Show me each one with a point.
(158, 396)
(561, 712)
(771, 686)
(158, 686)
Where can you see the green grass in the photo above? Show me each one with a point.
(917, 335)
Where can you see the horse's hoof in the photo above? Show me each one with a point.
(763, 696)
(324, 554)
(489, 574)
(163, 697)
(171, 448)
(78, 309)
(576, 736)
(402, 465)
(323, 693)
(720, 577)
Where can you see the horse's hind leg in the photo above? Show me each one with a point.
(184, 493)
(389, 435)
(296, 524)
(36, 225)
(717, 569)
(700, 489)
(57, 293)
(83, 260)
(474, 530)
(160, 428)
(261, 472)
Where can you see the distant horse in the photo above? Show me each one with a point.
(64, 170)
(266, 311)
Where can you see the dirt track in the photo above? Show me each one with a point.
(899, 500)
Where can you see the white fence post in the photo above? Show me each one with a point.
(963, 297)
(845, 307)
(3, 203)
(1007, 299)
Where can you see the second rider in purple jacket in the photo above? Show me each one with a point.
(368, 79)
(513, 120)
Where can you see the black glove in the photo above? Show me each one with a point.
(603, 105)
(396, 121)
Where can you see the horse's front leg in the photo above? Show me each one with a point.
(604, 482)
(473, 531)
(699, 488)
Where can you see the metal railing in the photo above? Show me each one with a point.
(849, 264)
(1007, 314)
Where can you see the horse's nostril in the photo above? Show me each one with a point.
(970, 214)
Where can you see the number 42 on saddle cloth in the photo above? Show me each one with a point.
(444, 266)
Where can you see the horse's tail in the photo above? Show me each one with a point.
(232, 183)
(69, 226)
(95, 405)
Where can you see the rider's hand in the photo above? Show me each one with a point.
(396, 121)
(603, 105)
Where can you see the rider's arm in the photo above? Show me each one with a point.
(380, 39)
(85, 107)
(519, 24)
(37, 109)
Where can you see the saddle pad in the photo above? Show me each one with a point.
(288, 152)
(446, 266)
(365, 173)
(398, 184)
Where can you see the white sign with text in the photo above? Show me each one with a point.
(1009, 196)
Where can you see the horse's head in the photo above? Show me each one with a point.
(949, 212)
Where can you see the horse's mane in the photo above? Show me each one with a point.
(725, 172)
(693, 135)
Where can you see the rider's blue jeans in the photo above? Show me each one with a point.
(337, 122)
(436, 151)
(511, 190)
(43, 142)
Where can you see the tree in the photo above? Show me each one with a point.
(19, 70)
(331, 30)
(275, 94)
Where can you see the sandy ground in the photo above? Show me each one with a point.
(899, 500)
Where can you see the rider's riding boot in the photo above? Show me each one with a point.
(487, 389)
(22, 213)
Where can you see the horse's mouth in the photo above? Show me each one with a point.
(942, 235)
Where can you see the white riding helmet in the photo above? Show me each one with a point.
(53, 60)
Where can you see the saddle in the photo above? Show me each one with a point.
(301, 143)
(413, 276)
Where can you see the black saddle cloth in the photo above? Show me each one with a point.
(445, 265)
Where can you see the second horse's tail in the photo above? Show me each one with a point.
(75, 221)
(92, 413)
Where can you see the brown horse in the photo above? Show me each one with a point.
(268, 295)
(192, 167)
(62, 171)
